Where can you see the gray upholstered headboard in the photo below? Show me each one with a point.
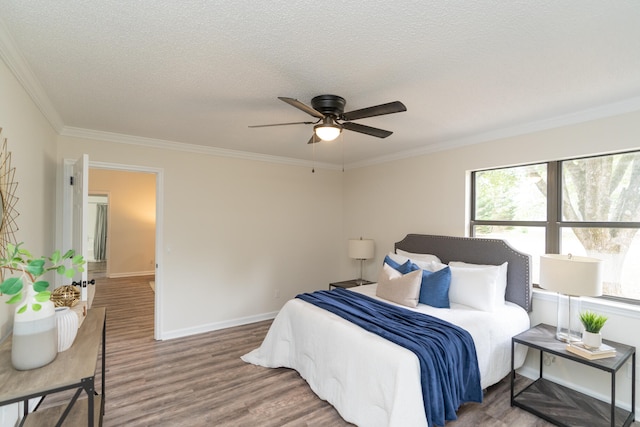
(478, 251)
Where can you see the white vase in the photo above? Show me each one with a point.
(67, 322)
(35, 339)
(591, 340)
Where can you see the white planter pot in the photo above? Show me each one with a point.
(35, 334)
(591, 340)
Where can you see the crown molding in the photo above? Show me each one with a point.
(23, 73)
(190, 148)
(625, 106)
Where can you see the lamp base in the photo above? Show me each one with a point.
(567, 337)
(361, 281)
(568, 321)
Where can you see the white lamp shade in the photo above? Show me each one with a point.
(571, 275)
(361, 248)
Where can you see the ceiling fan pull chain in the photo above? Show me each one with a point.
(342, 144)
(313, 156)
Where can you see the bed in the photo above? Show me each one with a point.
(374, 382)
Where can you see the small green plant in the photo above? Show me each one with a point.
(28, 269)
(592, 322)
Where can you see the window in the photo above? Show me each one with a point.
(587, 206)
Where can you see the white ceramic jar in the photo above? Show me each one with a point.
(67, 322)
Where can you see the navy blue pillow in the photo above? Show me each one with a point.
(434, 290)
(405, 268)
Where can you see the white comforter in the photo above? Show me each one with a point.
(372, 381)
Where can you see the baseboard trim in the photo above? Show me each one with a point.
(131, 274)
(179, 333)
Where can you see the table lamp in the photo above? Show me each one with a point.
(361, 249)
(570, 276)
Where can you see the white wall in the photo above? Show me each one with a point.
(428, 194)
(31, 142)
(236, 232)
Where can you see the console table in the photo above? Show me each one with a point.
(71, 369)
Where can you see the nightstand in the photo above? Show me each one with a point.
(562, 405)
(349, 283)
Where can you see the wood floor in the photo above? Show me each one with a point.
(201, 381)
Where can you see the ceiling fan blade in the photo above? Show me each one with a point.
(378, 110)
(302, 106)
(281, 124)
(357, 127)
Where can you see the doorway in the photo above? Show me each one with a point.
(153, 260)
(129, 235)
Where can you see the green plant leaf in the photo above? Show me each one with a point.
(43, 296)
(11, 286)
(36, 307)
(69, 254)
(11, 248)
(23, 253)
(592, 322)
(14, 299)
(22, 261)
(22, 309)
(56, 257)
(36, 267)
(40, 285)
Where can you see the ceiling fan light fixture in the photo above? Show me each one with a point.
(328, 109)
(328, 130)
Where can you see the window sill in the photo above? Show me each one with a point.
(599, 304)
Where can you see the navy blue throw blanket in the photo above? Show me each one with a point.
(447, 354)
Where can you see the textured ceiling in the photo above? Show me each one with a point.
(199, 72)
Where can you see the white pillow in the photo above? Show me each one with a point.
(399, 288)
(418, 257)
(473, 286)
(434, 266)
(431, 265)
(501, 279)
(400, 259)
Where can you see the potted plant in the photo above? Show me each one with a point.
(34, 342)
(592, 323)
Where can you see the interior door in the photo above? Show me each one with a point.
(80, 208)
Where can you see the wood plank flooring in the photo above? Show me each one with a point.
(201, 381)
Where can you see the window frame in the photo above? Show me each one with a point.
(554, 223)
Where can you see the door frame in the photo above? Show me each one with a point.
(67, 222)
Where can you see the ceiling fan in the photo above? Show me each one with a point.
(329, 110)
